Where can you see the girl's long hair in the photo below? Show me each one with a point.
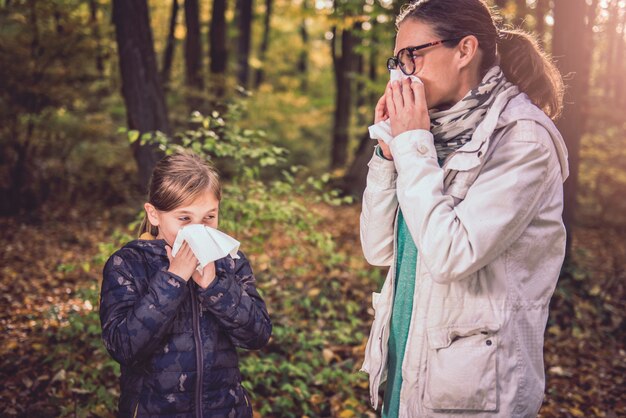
(515, 51)
(177, 179)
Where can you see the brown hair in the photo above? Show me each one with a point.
(176, 179)
(521, 59)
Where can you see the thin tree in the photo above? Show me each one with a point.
(303, 56)
(168, 55)
(146, 110)
(342, 63)
(520, 13)
(587, 48)
(95, 30)
(500, 3)
(541, 9)
(569, 30)
(193, 47)
(217, 38)
(618, 68)
(244, 23)
(611, 31)
(265, 42)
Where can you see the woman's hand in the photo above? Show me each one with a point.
(207, 277)
(185, 262)
(406, 106)
(381, 114)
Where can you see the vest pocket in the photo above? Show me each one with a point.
(461, 368)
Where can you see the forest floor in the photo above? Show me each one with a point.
(47, 265)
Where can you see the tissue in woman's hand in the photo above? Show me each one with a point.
(398, 75)
(382, 130)
(208, 244)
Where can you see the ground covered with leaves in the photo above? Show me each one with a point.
(53, 363)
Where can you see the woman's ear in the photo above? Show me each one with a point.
(467, 50)
(153, 214)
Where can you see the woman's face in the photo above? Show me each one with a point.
(438, 71)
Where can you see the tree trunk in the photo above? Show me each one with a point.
(356, 177)
(618, 68)
(611, 31)
(193, 47)
(343, 103)
(569, 29)
(141, 85)
(373, 65)
(360, 75)
(354, 182)
(244, 39)
(587, 48)
(520, 13)
(95, 30)
(168, 55)
(264, 42)
(501, 3)
(217, 37)
(541, 9)
(303, 57)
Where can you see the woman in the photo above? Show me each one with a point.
(464, 203)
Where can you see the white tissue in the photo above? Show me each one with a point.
(382, 130)
(208, 244)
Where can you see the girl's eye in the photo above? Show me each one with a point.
(210, 217)
(183, 219)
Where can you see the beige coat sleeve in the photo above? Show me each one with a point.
(378, 212)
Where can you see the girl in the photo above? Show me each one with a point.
(173, 329)
(465, 205)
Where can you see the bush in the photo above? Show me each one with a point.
(310, 365)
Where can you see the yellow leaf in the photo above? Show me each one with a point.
(314, 292)
(595, 291)
(328, 354)
(346, 413)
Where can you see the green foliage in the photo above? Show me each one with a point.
(48, 128)
(310, 357)
(262, 192)
(79, 362)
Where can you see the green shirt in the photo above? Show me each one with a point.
(404, 287)
(406, 264)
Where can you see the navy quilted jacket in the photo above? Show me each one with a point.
(176, 342)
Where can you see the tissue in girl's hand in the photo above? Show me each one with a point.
(208, 244)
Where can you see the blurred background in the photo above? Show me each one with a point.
(278, 94)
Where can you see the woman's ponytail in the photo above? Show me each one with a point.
(526, 65)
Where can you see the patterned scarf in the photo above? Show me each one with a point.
(452, 128)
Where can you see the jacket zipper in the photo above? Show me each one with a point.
(196, 313)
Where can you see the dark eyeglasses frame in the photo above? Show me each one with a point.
(394, 62)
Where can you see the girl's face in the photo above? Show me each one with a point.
(437, 66)
(202, 210)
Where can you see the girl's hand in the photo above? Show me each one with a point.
(185, 262)
(406, 105)
(381, 114)
(207, 277)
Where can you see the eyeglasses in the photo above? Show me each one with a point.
(406, 60)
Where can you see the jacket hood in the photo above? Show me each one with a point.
(509, 108)
(521, 108)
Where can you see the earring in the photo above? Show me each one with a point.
(154, 230)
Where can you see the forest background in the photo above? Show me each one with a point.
(279, 94)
